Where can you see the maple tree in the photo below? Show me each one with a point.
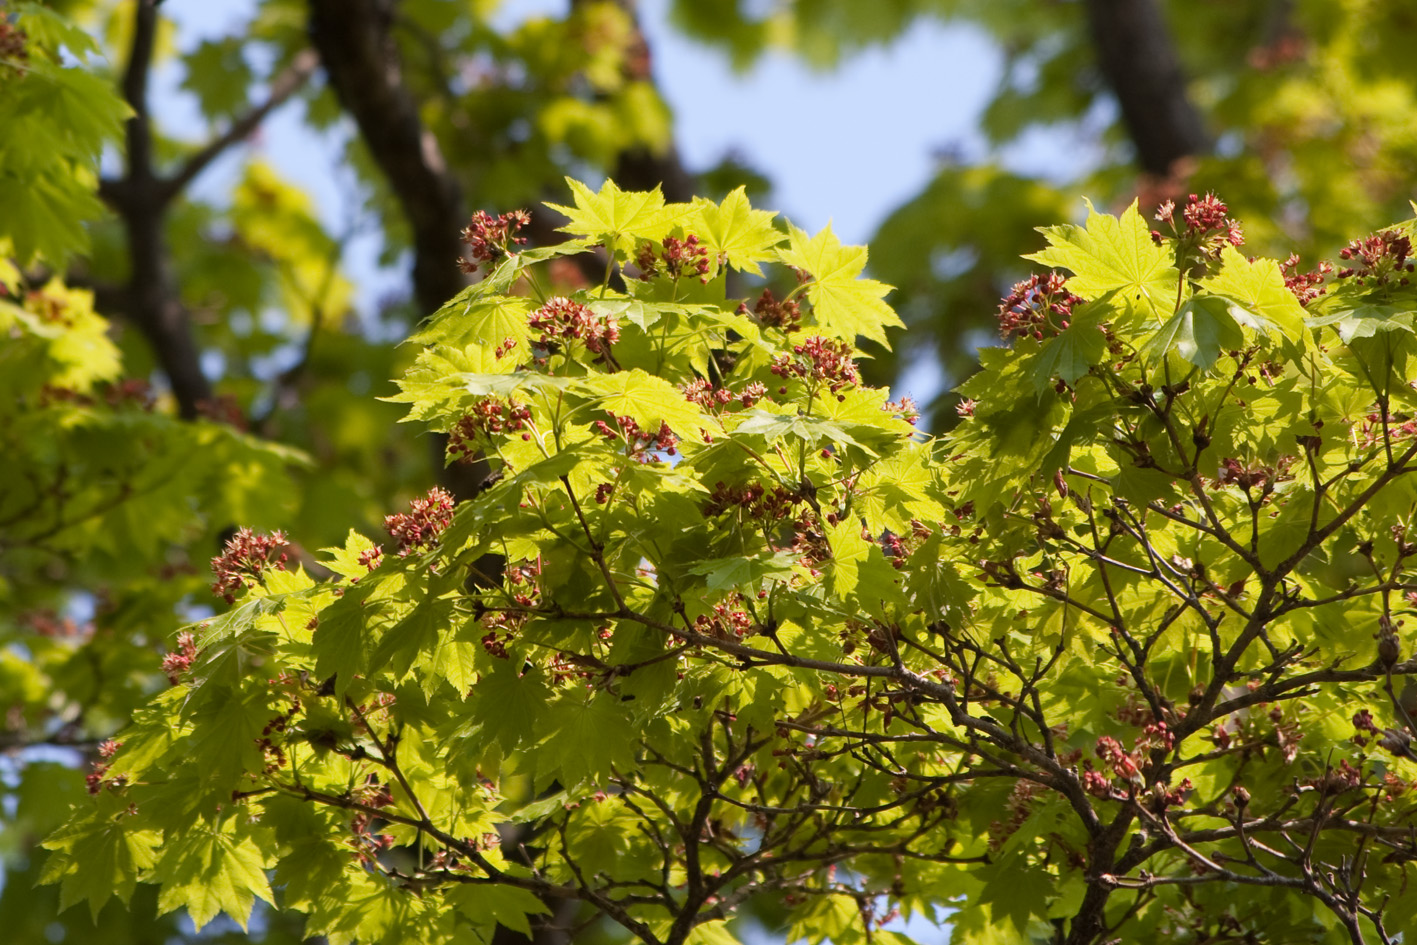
(698, 632)
(721, 625)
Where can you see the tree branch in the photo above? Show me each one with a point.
(1139, 60)
(287, 83)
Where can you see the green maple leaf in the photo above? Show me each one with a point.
(1072, 352)
(212, 869)
(843, 304)
(509, 704)
(743, 572)
(1366, 320)
(345, 561)
(342, 639)
(616, 218)
(585, 738)
(1198, 332)
(467, 319)
(735, 230)
(648, 400)
(237, 620)
(100, 855)
(226, 723)
(1113, 254)
(811, 430)
(1263, 304)
(454, 660)
(849, 552)
(490, 906)
(406, 640)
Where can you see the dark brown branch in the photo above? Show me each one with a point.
(361, 61)
(1139, 60)
(283, 86)
(152, 301)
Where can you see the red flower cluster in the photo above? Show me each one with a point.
(225, 409)
(770, 313)
(1123, 764)
(1019, 806)
(488, 417)
(98, 777)
(503, 625)
(679, 257)
(1208, 228)
(423, 523)
(561, 319)
(176, 663)
(1040, 305)
(1337, 780)
(753, 499)
(639, 442)
(12, 42)
(727, 621)
(1306, 286)
(247, 556)
(371, 558)
(819, 360)
(905, 408)
(702, 392)
(489, 237)
(1382, 255)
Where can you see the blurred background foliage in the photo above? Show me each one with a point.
(178, 359)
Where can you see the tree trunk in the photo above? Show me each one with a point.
(1139, 60)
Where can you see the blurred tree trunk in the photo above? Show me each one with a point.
(1138, 57)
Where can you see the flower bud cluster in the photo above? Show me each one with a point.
(1259, 731)
(1338, 780)
(488, 237)
(224, 409)
(247, 556)
(13, 42)
(1382, 256)
(905, 408)
(267, 744)
(562, 319)
(770, 313)
(424, 521)
(702, 392)
(98, 779)
(524, 588)
(728, 621)
(488, 417)
(1019, 805)
(1306, 286)
(1207, 228)
(819, 360)
(1235, 473)
(176, 664)
(639, 443)
(371, 558)
(755, 500)
(1123, 764)
(898, 548)
(678, 257)
(1039, 306)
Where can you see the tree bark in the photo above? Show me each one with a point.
(151, 299)
(1138, 58)
(356, 46)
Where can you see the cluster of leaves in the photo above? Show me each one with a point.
(64, 115)
(1086, 667)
